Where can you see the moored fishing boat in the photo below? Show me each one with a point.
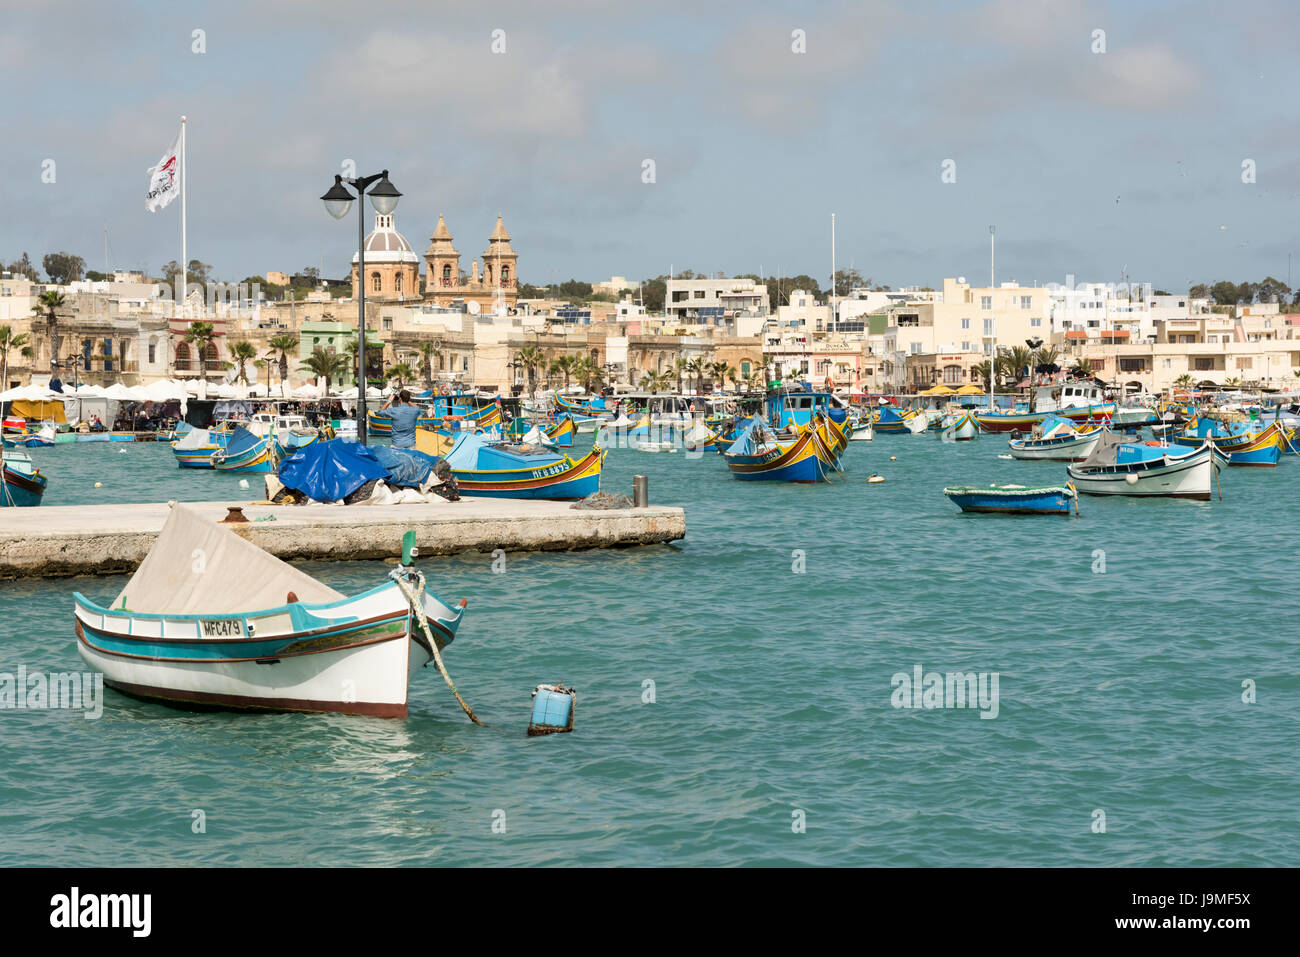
(21, 483)
(505, 470)
(760, 454)
(562, 432)
(195, 448)
(1242, 444)
(1096, 413)
(893, 421)
(958, 427)
(245, 452)
(1014, 499)
(244, 630)
(1057, 439)
(1147, 469)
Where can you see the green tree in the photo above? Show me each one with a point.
(242, 352)
(9, 341)
(281, 346)
(720, 371)
(429, 351)
(327, 365)
(400, 374)
(563, 365)
(653, 294)
(63, 267)
(848, 279)
(1083, 367)
(47, 306)
(532, 359)
(200, 335)
(24, 267)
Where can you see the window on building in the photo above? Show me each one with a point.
(153, 353)
(1035, 323)
(952, 375)
(1169, 363)
(988, 327)
(1130, 365)
(965, 346)
(397, 283)
(699, 293)
(446, 273)
(1245, 363)
(965, 323)
(1026, 302)
(986, 302)
(1203, 365)
(388, 320)
(374, 282)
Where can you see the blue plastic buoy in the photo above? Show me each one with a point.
(552, 709)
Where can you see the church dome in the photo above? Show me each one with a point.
(386, 245)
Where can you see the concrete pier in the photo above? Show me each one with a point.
(60, 541)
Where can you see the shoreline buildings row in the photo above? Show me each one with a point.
(128, 330)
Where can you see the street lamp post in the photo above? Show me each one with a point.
(338, 201)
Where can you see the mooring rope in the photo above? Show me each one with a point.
(417, 607)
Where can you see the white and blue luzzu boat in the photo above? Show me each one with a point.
(209, 620)
(1014, 499)
(1147, 469)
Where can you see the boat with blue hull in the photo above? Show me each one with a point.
(21, 483)
(195, 447)
(243, 630)
(1015, 499)
(889, 420)
(806, 455)
(246, 452)
(483, 467)
(1242, 443)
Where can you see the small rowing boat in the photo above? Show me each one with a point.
(1014, 499)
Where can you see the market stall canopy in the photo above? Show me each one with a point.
(970, 389)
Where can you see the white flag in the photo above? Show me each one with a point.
(164, 179)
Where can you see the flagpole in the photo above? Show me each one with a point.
(184, 185)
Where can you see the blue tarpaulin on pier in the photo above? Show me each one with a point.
(329, 471)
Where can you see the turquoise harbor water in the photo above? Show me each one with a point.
(1119, 691)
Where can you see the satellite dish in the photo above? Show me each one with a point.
(472, 308)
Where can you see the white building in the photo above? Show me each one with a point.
(704, 301)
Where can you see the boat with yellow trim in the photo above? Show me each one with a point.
(485, 467)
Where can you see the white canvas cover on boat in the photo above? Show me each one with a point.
(196, 566)
(193, 440)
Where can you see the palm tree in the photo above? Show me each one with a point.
(327, 365)
(1185, 381)
(242, 352)
(401, 374)
(352, 349)
(531, 358)
(200, 335)
(282, 345)
(1019, 358)
(654, 381)
(981, 369)
(48, 305)
(1083, 367)
(679, 366)
(1047, 356)
(428, 352)
(563, 365)
(21, 342)
(719, 372)
(586, 370)
(696, 368)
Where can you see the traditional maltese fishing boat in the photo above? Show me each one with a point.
(210, 620)
(958, 427)
(562, 432)
(1242, 444)
(1014, 499)
(1147, 469)
(892, 421)
(21, 482)
(246, 452)
(485, 467)
(1057, 439)
(760, 454)
(194, 448)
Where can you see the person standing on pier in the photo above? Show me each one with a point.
(404, 415)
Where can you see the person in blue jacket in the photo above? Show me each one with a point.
(404, 415)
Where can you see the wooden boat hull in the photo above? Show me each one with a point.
(561, 480)
(352, 657)
(19, 490)
(259, 459)
(1069, 448)
(1025, 421)
(805, 459)
(1047, 500)
(1186, 476)
(562, 432)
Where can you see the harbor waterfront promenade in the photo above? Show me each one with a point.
(61, 541)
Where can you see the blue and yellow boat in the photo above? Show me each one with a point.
(760, 454)
(194, 448)
(484, 467)
(246, 452)
(1242, 444)
(21, 483)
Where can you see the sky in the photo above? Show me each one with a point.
(1095, 154)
